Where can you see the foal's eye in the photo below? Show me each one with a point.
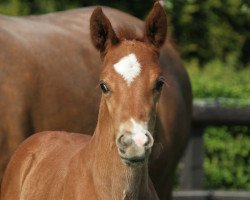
(159, 84)
(104, 87)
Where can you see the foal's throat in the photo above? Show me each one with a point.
(136, 183)
(123, 181)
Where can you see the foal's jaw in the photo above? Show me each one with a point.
(134, 142)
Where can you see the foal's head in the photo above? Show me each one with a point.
(131, 81)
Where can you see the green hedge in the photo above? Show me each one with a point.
(212, 29)
(227, 161)
(216, 80)
(227, 157)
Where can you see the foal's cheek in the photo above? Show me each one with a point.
(111, 105)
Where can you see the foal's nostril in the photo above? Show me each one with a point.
(150, 141)
(119, 140)
(124, 141)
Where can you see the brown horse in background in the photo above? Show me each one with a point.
(113, 164)
(47, 72)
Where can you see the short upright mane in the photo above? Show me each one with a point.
(128, 33)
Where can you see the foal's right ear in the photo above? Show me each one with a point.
(102, 33)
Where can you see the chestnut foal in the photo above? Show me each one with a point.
(113, 163)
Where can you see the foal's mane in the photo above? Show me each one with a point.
(128, 33)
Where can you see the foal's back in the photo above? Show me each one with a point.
(49, 158)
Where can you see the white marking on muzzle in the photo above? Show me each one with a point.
(139, 133)
(128, 67)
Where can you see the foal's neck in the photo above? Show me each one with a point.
(136, 182)
(123, 181)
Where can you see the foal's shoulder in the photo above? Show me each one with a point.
(52, 142)
(44, 154)
(56, 138)
(48, 147)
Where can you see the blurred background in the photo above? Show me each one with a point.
(213, 38)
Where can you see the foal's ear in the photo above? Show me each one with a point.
(102, 33)
(156, 26)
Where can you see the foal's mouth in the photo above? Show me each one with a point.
(134, 160)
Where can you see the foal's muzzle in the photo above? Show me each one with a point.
(134, 148)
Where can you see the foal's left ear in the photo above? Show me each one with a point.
(156, 26)
(102, 33)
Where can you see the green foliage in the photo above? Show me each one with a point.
(216, 81)
(12, 7)
(227, 158)
(212, 29)
(21, 7)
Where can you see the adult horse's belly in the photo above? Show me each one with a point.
(49, 81)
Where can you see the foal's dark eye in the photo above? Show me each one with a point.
(104, 87)
(158, 85)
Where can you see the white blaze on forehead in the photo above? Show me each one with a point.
(128, 67)
(139, 133)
